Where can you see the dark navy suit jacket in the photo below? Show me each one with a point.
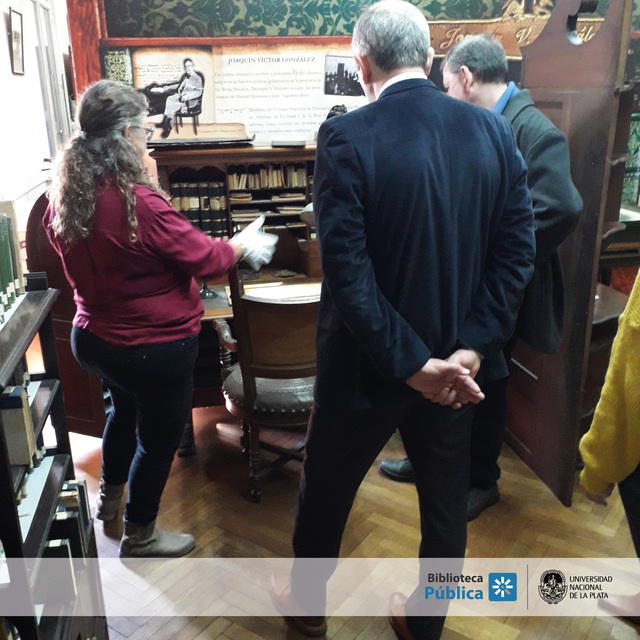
(426, 240)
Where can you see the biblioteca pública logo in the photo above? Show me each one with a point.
(503, 587)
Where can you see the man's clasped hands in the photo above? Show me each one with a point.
(449, 382)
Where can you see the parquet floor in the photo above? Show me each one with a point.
(207, 495)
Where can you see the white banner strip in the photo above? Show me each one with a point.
(356, 586)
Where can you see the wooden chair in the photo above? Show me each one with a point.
(191, 109)
(271, 385)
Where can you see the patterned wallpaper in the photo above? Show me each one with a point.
(209, 18)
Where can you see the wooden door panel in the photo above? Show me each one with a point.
(577, 86)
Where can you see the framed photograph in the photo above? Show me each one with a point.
(17, 45)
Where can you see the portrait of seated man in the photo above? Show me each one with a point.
(181, 97)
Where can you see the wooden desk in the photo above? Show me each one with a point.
(622, 247)
(219, 308)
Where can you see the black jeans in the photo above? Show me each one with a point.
(629, 490)
(151, 389)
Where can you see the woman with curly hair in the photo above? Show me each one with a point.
(131, 260)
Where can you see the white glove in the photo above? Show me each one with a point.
(258, 246)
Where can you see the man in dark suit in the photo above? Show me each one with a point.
(426, 238)
(476, 71)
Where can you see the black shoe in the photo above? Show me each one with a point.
(166, 130)
(480, 499)
(398, 470)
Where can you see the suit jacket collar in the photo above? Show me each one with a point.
(405, 85)
(519, 102)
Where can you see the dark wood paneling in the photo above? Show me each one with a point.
(582, 96)
(85, 34)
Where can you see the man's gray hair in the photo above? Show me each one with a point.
(394, 34)
(481, 54)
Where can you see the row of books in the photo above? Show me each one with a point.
(246, 197)
(11, 275)
(267, 176)
(204, 204)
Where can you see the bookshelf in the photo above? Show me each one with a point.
(11, 276)
(247, 181)
(221, 190)
(33, 512)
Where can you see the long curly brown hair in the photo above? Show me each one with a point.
(98, 154)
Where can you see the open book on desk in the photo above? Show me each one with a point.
(280, 292)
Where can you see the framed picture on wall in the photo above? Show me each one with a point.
(17, 45)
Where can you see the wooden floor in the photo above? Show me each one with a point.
(207, 495)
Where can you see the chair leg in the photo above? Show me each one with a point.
(244, 440)
(255, 463)
(178, 120)
(195, 125)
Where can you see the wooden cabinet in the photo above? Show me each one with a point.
(276, 181)
(585, 95)
(25, 528)
(255, 180)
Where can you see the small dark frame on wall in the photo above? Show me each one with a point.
(16, 40)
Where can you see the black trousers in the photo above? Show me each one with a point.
(488, 428)
(487, 434)
(341, 449)
(629, 490)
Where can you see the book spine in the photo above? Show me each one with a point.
(66, 525)
(55, 582)
(193, 202)
(184, 198)
(14, 245)
(190, 202)
(225, 232)
(175, 189)
(206, 215)
(214, 201)
(8, 282)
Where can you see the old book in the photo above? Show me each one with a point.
(80, 486)
(218, 203)
(18, 426)
(193, 201)
(6, 268)
(16, 258)
(184, 198)
(67, 525)
(206, 206)
(55, 581)
(176, 194)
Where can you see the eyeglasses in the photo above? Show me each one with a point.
(148, 132)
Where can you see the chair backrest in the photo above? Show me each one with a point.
(275, 337)
(280, 336)
(194, 106)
